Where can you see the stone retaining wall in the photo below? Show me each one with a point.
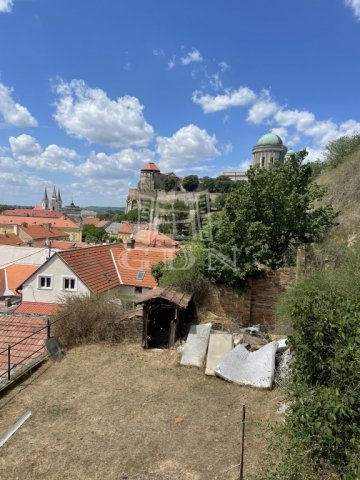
(256, 304)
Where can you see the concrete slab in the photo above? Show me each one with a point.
(256, 369)
(219, 345)
(196, 345)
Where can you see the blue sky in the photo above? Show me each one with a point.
(91, 90)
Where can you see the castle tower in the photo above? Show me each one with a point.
(268, 150)
(45, 201)
(149, 177)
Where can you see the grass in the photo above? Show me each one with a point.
(108, 412)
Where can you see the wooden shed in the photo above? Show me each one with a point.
(167, 316)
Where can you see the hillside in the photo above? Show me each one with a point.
(343, 193)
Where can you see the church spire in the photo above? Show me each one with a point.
(54, 196)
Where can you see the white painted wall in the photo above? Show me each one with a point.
(129, 291)
(29, 255)
(57, 269)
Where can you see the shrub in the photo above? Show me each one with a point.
(86, 319)
(323, 391)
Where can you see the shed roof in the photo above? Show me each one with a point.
(181, 299)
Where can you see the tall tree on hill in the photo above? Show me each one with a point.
(191, 183)
(265, 219)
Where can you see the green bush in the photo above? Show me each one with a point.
(324, 389)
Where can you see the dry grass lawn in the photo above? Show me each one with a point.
(108, 412)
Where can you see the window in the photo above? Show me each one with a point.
(140, 275)
(263, 162)
(69, 284)
(45, 281)
(138, 289)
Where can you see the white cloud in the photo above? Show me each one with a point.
(189, 144)
(354, 5)
(158, 52)
(227, 149)
(299, 119)
(6, 6)
(224, 66)
(172, 62)
(54, 158)
(193, 56)
(231, 98)
(262, 108)
(282, 132)
(101, 165)
(14, 113)
(90, 114)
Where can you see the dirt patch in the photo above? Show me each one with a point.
(108, 412)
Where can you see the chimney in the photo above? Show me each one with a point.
(130, 244)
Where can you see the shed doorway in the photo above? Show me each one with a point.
(159, 325)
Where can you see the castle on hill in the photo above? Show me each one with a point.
(268, 150)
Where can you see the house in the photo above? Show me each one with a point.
(10, 239)
(154, 238)
(98, 269)
(11, 223)
(33, 233)
(11, 277)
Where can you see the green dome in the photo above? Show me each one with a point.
(270, 139)
(290, 152)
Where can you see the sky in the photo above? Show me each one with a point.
(91, 90)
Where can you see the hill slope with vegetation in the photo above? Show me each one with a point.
(341, 177)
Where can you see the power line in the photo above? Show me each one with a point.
(21, 258)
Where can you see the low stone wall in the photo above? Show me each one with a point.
(255, 304)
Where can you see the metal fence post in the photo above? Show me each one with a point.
(9, 368)
(242, 445)
(48, 328)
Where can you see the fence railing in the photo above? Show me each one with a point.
(23, 352)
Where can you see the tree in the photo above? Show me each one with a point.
(191, 183)
(93, 234)
(133, 215)
(337, 150)
(169, 184)
(265, 219)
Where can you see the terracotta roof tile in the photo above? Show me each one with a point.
(126, 228)
(94, 266)
(14, 275)
(10, 239)
(141, 259)
(60, 222)
(39, 232)
(26, 335)
(154, 237)
(61, 245)
(37, 308)
(36, 212)
(151, 167)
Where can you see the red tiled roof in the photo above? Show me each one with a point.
(39, 232)
(36, 212)
(126, 228)
(141, 259)
(37, 308)
(151, 167)
(90, 221)
(154, 238)
(94, 266)
(60, 222)
(14, 275)
(61, 245)
(14, 331)
(10, 239)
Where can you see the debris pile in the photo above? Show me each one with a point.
(250, 358)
